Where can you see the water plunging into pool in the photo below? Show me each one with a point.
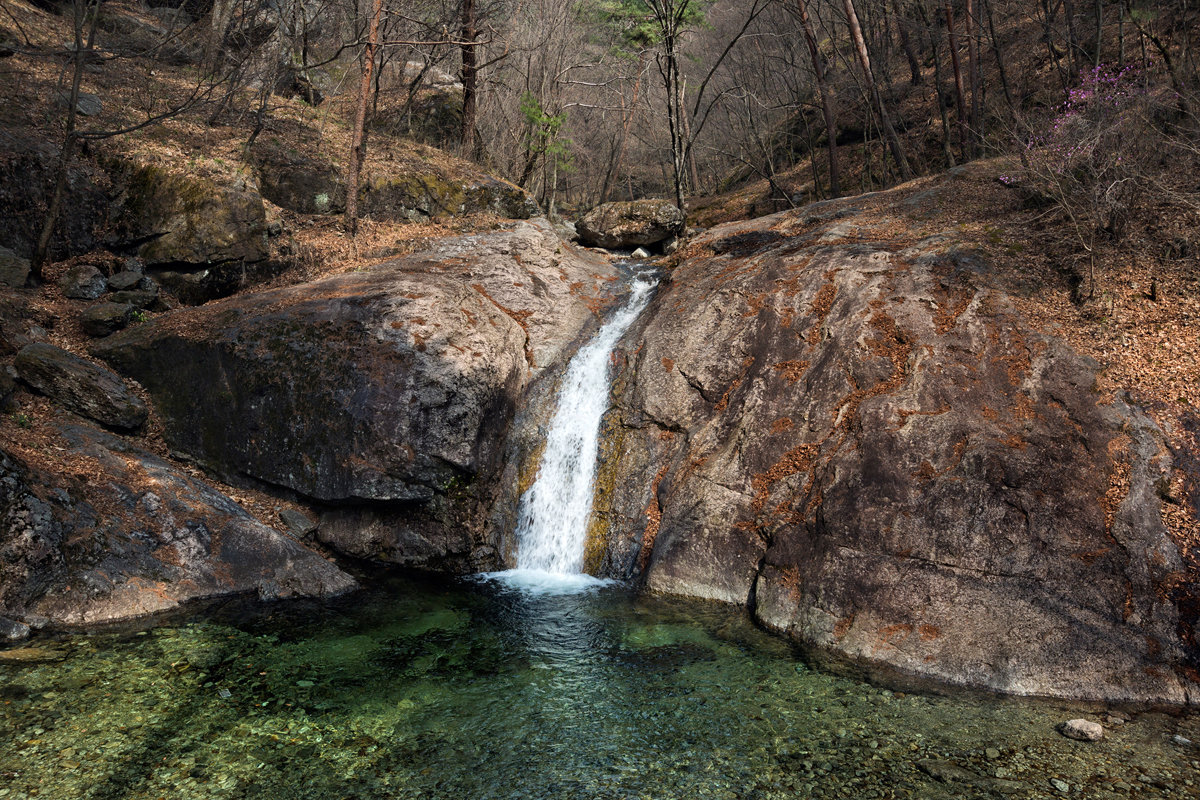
(552, 518)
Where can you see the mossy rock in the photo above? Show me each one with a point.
(297, 183)
(180, 219)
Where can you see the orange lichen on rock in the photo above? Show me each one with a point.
(792, 371)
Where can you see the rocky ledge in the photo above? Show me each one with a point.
(858, 438)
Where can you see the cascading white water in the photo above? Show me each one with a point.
(552, 518)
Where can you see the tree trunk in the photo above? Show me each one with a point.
(864, 61)
(810, 37)
(914, 64)
(82, 50)
(934, 45)
(625, 123)
(358, 136)
(959, 95)
(969, 28)
(470, 77)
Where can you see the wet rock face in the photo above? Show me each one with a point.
(393, 385)
(873, 451)
(626, 225)
(128, 535)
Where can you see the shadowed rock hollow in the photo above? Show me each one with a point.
(857, 437)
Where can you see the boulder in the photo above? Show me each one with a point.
(104, 319)
(125, 280)
(867, 445)
(80, 386)
(1083, 730)
(392, 385)
(120, 533)
(626, 225)
(419, 195)
(299, 183)
(138, 298)
(14, 270)
(178, 219)
(83, 221)
(83, 282)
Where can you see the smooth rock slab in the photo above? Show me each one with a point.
(1082, 729)
(123, 534)
(866, 443)
(81, 386)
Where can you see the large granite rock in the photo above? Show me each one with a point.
(81, 386)
(858, 439)
(110, 532)
(177, 219)
(630, 224)
(393, 385)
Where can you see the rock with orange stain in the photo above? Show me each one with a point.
(942, 503)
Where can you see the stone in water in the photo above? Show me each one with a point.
(1083, 730)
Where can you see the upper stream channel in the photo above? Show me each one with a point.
(535, 683)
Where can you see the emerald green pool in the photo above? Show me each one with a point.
(472, 691)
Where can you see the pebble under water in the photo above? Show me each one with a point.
(475, 691)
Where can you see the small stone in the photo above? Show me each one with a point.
(992, 753)
(224, 694)
(297, 524)
(88, 105)
(125, 279)
(1113, 720)
(1082, 730)
(104, 319)
(138, 298)
(1182, 741)
(641, 252)
(1060, 786)
(11, 630)
(83, 282)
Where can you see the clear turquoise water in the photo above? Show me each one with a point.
(426, 691)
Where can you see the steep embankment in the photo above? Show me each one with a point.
(846, 425)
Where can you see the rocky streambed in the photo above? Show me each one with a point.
(847, 429)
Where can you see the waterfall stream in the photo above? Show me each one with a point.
(552, 518)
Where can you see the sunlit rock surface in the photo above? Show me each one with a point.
(852, 433)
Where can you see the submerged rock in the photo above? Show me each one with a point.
(1082, 729)
(870, 448)
(122, 533)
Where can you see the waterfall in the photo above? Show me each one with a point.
(552, 518)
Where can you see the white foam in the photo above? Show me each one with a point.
(540, 582)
